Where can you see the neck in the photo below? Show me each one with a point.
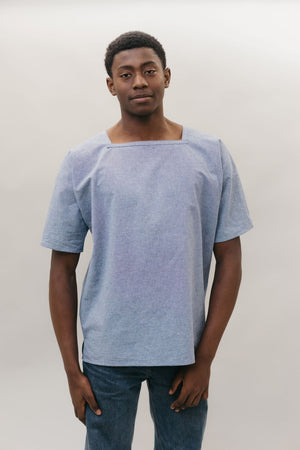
(144, 128)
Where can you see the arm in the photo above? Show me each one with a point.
(227, 278)
(63, 307)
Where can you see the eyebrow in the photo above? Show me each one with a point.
(142, 65)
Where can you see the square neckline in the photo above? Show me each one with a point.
(149, 142)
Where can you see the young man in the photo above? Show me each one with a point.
(159, 200)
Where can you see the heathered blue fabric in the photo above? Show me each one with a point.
(155, 210)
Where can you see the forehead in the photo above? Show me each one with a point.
(135, 57)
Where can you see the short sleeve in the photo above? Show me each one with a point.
(233, 217)
(65, 229)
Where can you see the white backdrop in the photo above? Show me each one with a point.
(235, 74)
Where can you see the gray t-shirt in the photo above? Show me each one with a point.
(155, 210)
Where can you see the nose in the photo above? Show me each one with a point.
(139, 81)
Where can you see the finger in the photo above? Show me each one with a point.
(188, 402)
(90, 399)
(80, 413)
(82, 419)
(176, 382)
(180, 402)
(196, 400)
(205, 394)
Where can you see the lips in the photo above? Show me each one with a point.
(140, 96)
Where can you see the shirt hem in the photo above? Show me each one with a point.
(137, 363)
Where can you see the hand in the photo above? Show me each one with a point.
(195, 381)
(81, 393)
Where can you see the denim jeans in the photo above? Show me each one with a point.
(117, 391)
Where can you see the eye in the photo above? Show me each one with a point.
(125, 75)
(150, 71)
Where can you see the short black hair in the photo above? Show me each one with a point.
(129, 40)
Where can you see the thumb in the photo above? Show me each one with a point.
(90, 399)
(176, 382)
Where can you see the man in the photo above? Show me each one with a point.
(159, 200)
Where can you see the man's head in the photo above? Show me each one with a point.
(135, 62)
(131, 40)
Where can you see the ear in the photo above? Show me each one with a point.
(167, 76)
(111, 86)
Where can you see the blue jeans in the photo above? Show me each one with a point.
(117, 391)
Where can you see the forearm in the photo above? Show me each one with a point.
(223, 297)
(63, 307)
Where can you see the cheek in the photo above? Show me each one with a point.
(119, 89)
(121, 94)
(161, 91)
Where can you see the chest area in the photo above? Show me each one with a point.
(147, 171)
(149, 178)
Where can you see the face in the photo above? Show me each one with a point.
(139, 81)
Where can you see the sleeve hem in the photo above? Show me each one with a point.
(60, 247)
(227, 237)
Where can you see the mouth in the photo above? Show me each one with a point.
(141, 97)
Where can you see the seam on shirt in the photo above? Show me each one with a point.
(147, 143)
(77, 203)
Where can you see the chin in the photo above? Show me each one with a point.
(142, 112)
